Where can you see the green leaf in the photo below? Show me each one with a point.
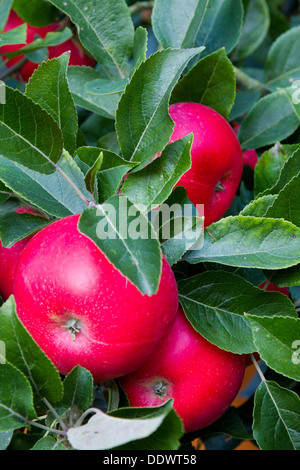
(288, 170)
(139, 47)
(250, 242)
(40, 13)
(5, 438)
(111, 173)
(5, 6)
(215, 303)
(285, 277)
(101, 86)
(14, 36)
(220, 25)
(16, 399)
(181, 31)
(127, 239)
(105, 29)
(15, 227)
(255, 28)
(104, 105)
(231, 424)
(286, 204)
(78, 389)
(210, 82)
(268, 168)
(48, 443)
(51, 193)
(166, 437)
(25, 354)
(29, 135)
(182, 234)
(276, 418)
(48, 87)
(282, 64)
(277, 340)
(51, 39)
(259, 207)
(151, 186)
(272, 119)
(91, 176)
(110, 431)
(244, 101)
(143, 123)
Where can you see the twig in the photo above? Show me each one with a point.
(14, 68)
(248, 82)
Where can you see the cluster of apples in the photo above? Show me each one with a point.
(77, 54)
(81, 310)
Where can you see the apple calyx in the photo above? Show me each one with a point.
(73, 326)
(219, 187)
(160, 389)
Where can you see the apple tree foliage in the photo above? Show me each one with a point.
(70, 135)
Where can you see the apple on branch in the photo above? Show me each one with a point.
(202, 379)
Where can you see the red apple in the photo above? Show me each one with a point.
(202, 379)
(273, 288)
(77, 56)
(81, 310)
(9, 258)
(216, 155)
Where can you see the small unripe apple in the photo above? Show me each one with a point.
(9, 258)
(81, 310)
(202, 379)
(77, 53)
(216, 156)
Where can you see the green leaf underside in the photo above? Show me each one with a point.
(29, 135)
(109, 226)
(48, 87)
(51, 193)
(276, 418)
(250, 242)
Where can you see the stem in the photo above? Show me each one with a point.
(46, 428)
(248, 82)
(140, 6)
(54, 412)
(13, 69)
(85, 414)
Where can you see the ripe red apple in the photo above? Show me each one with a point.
(81, 310)
(216, 155)
(202, 379)
(77, 56)
(9, 258)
